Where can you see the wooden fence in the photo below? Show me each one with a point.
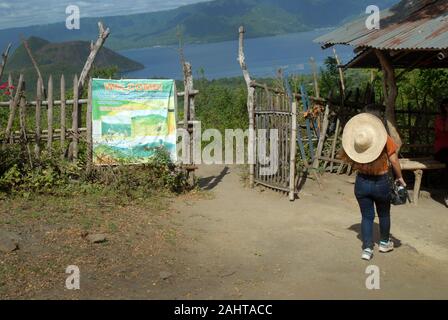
(416, 127)
(49, 118)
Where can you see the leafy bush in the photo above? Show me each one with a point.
(136, 181)
(23, 173)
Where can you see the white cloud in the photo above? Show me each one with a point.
(19, 13)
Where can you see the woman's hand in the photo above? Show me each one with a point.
(401, 182)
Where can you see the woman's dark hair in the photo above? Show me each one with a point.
(443, 103)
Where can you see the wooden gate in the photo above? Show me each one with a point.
(273, 113)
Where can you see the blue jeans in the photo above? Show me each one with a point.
(371, 191)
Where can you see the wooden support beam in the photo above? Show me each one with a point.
(390, 92)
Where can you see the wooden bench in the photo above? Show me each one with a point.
(418, 165)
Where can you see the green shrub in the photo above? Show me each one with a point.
(22, 173)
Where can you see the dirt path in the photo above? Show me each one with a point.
(230, 242)
(248, 244)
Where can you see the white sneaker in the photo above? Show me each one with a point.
(367, 254)
(386, 246)
(446, 201)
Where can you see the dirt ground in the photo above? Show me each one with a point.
(230, 242)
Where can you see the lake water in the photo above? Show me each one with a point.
(264, 56)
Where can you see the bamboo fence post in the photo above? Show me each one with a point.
(63, 115)
(333, 146)
(50, 114)
(22, 123)
(292, 161)
(89, 127)
(38, 117)
(22, 117)
(10, 84)
(75, 121)
(12, 112)
(323, 134)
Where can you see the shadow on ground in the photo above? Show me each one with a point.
(376, 234)
(209, 183)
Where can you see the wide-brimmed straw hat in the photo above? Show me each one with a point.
(364, 138)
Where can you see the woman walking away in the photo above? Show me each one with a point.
(369, 149)
(441, 141)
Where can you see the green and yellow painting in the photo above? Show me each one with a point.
(131, 119)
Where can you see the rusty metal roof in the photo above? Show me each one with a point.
(409, 25)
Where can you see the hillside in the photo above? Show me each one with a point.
(72, 54)
(206, 22)
(66, 58)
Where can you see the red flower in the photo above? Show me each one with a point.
(4, 86)
(7, 92)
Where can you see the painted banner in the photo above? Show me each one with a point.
(131, 119)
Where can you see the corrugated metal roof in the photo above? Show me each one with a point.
(411, 24)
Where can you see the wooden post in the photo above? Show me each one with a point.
(22, 122)
(38, 117)
(186, 104)
(4, 60)
(292, 151)
(341, 73)
(333, 145)
(50, 114)
(103, 34)
(89, 128)
(22, 116)
(10, 84)
(338, 122)
(33, 61)
(250, 108)
(189, 116)
(390, 92)
(418, 181)
(75, 133)
(12, 111)
(323, 134)
(63, 116)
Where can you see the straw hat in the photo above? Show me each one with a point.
(364, 138)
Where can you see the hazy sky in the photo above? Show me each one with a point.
(19, 13)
